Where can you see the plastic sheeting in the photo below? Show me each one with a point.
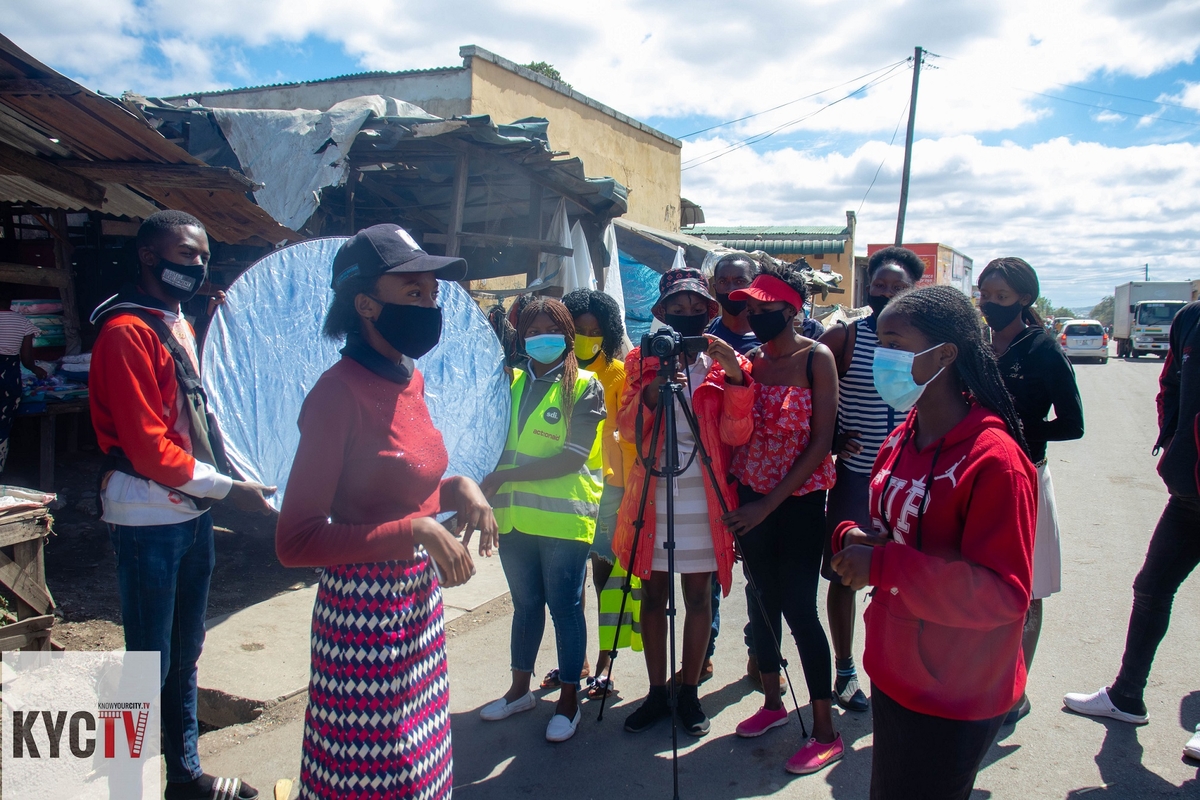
(640, 286)
(264, 351)
(297, 153)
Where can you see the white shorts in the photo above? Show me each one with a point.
(1047, 551)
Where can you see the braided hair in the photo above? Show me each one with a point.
(556, 311)
(607, 313)
(944, 314)
(1021, 278)
(789, 275)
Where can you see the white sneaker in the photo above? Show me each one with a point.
(501, 709)
(1098, 704)
(1192, 748)
(560, 728)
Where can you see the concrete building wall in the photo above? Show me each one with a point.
(443, 93)
(646, 163)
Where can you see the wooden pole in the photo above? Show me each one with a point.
(918, 53)
(458, 203)
(62, 260)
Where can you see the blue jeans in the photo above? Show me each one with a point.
(543, 571)
(163, 573)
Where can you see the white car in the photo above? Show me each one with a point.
(1084, 338)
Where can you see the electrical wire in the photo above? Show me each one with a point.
(1128, 97)
(697, 161)
(793, 102)
(885, 156)
(1107, 108)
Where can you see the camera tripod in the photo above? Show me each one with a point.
(664, 422)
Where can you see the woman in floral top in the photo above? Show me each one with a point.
(784, 472)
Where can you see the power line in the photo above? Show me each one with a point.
(756, 138)
(793, 102)
(1128, 97)
(1107, 108)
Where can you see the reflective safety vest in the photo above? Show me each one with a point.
(565, 507)
(610, 612)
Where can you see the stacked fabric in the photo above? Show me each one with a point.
(47, 317)
(76, 368)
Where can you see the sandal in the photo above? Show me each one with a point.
(208, 787)
(552, 681)
(596, 687)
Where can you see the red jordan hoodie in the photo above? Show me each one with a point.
(953, 584)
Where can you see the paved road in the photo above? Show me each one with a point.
(1109, 499)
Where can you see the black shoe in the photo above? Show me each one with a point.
(1019, 711)
(849, 696)
(691, 715)
(656, 706)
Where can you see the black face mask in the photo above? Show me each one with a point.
(1000, 317)
(687, 324)
(877, 303)
(413, 330)
(732, 307)
(180, 281)
(768, 325)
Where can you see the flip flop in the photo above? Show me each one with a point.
(595, 687)
(552, 681)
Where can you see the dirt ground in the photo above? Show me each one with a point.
(80, 565)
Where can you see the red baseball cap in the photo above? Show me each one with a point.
(769, 289)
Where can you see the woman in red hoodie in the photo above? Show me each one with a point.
(954, 508)
(722, 398)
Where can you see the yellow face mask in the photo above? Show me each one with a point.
(587, 347)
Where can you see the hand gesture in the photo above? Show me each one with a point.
(251, 497)
(847, 443)
(726, 356)
(472, 512)
(451, 556)
(746, 518)
(853, 564)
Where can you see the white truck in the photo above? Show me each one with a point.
(1142, 315)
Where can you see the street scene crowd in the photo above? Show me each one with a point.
(902, 455)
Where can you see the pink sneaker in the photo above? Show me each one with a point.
(814, 756)
(763, 720)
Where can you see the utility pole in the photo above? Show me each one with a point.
(918, 55)
(1147, 272)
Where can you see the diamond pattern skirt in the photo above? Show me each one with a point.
(378, 719)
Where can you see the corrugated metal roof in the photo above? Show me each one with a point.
(350, 76)
(777, 231)
(65, 118)
(776, 247)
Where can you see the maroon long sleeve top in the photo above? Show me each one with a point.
(369, 462)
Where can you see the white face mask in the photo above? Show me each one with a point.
(892, 370)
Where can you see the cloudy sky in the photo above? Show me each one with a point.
(1067, 132)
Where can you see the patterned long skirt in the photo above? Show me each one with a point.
(10, 399)
(378, 719)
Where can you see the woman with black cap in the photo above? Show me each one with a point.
(1039, 378)
(365, 485)
(783, 473)
(718, 383)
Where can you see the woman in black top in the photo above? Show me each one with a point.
(1038, 377)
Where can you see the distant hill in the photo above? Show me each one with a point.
(1082, 312)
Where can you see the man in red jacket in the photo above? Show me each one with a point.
(164, 468)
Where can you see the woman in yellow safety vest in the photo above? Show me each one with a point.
(599, 339)
(546, 497)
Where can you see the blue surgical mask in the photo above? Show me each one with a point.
(546, 348)
(892, 370)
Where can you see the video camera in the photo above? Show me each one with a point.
(666, 343)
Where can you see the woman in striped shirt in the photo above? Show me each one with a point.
(864, 421)
(16, 348)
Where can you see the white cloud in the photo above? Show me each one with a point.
(1085, 215)
(1108, 116)
(647, 57)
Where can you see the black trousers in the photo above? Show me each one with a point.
(783, 554)
(1173, 553)
(921, 756)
